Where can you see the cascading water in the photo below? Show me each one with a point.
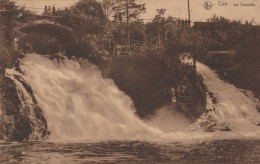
(234, 109)
(80, 105)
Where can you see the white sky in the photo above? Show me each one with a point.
(176, 8)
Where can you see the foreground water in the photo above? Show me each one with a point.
(224, 151)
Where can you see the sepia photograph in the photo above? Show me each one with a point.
(129, 81)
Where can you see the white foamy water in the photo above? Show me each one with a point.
(80, 105)
(234, 109)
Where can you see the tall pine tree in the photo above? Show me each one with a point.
(117, 9)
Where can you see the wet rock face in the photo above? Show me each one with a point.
(19, 120)
(9, 107)
(22, 128)
(145, 79)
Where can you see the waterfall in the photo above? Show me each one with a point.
(233, 109)
(79, 104)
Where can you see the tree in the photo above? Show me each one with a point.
(187, 40)
(155, 30)
(118, 8)
(86, 17)
(108, 6)
(8, 20)
(137, 31)
(222, 33)
(158, 30)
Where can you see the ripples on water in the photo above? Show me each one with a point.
(226, 151)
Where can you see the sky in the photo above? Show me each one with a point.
(178, 8)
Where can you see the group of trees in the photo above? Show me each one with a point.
(224, 34)
(105, 24)
(100, 26)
